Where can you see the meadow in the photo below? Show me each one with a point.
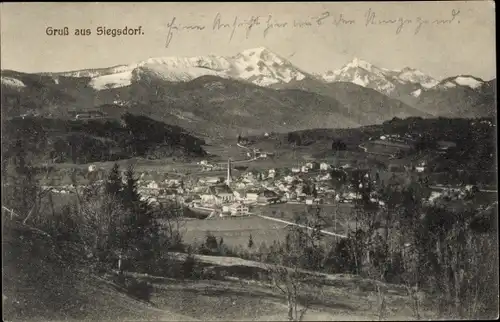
(234, 231)
(337, 217)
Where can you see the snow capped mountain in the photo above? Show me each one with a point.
(462, 80)
(361, 73)
(382, 80)
(263, 67)
(414, 76)
(259, 66)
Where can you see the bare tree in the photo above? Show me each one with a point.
(290, 283)
(286, 273)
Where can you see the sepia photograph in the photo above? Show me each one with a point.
(266, 161)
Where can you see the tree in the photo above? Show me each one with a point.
(250, 241)
(129, 194)
(211, 243)
(338, 145)
(285, 269)
(114, 181)
(314, 191)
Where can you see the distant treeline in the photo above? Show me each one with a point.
(475, 139)
(97, 140)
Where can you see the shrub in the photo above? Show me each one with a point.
(190, 267)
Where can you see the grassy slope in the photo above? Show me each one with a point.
(37, 285)
(240, 297)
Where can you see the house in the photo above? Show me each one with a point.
(217, 195)
(268, 196)
(252, 196)
(240, 194)
(296, 170)
(446, 145)
(239, 185)
(312, 165)
(301, 196)
(309, 200)
(249, 177)
(239, 209)
(420, 168)
(282, 187)
(172, 182)
(319, 201)
(325, 177)
(291, 195)
(211, 180)
(271, 173)
(324, 166)
(152, 185)
(304, 169)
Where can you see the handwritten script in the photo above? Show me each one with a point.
(264, 25)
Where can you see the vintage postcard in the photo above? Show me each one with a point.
(249, 161)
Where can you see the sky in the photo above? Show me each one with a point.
(441, 39)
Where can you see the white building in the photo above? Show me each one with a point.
(271, 173)
(252, 196)
(217, 195)
(236, 209)
(325, 177)
(210, 180)
(420, 169)
(312, 165)
(295, 170)
(153, 185)
(172, 182)
(240, 195)
(291, 195)
(304, 169)
(324, 166)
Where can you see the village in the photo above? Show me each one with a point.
(312, 183)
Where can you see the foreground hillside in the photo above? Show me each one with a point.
(39, 283)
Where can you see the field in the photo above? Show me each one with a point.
(234, 231)
(336, 216)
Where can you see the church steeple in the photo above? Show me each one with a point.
(229, 177)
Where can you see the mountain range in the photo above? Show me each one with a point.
(253, 91)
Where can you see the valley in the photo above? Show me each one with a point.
(242, 187)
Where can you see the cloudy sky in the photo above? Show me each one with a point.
(439, 38)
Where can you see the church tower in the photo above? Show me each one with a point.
(229, 177)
